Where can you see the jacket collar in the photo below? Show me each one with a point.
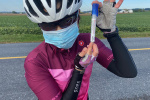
(56, 49)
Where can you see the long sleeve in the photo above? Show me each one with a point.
(122, 64)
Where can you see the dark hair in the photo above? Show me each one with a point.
(79, 18)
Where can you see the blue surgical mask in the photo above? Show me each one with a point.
(63, 38)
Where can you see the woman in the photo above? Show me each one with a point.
(60, 67)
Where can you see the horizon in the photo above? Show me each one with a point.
(17, 5)
(82, 11)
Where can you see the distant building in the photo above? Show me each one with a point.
(126, 11)
(130, 11)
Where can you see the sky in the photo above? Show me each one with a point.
(17, 5)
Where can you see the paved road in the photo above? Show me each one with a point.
(104, 85)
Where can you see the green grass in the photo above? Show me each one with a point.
(20, 29)
(136, 22)
(17, 38)
(128, 35)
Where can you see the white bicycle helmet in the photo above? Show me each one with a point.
(39, 11)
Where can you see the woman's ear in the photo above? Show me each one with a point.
(79, 11)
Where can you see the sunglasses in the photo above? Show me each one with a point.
(63, 23)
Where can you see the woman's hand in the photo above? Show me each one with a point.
(87, 56)
(106, 20)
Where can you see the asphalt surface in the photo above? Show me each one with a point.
(103, 84)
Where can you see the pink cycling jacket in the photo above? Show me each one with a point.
(48, 69)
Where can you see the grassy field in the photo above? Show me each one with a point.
(130, 25)
(20, 29)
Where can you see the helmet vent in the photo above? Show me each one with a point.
(78, 1)
(58, 5)
(40, 6)
(27, 12)
(49, 3)
(75, 1)
(69, 2)
(31, 9)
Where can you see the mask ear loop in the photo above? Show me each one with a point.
(78, 16)
(114, 3)
(39, 25)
